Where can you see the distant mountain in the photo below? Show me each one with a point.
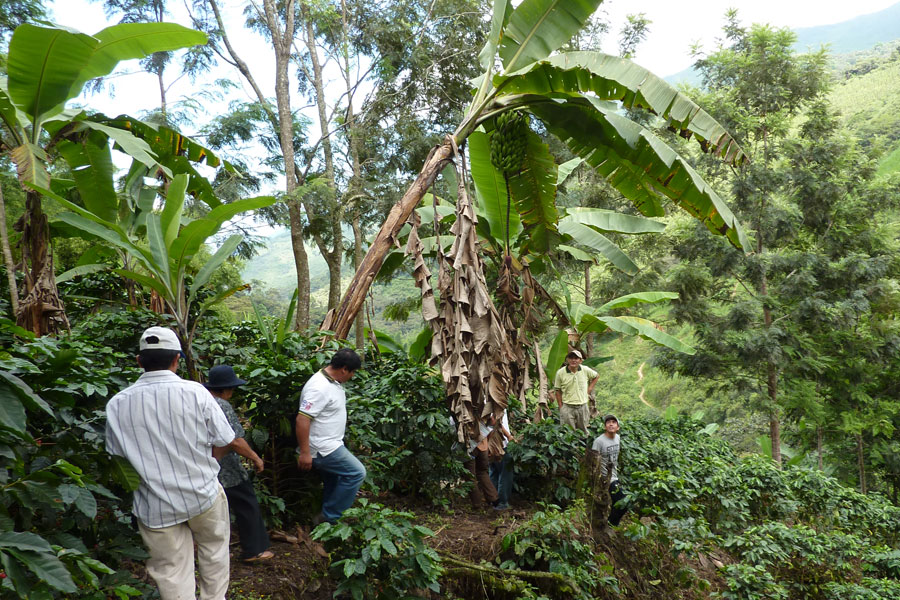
(274, 266)
(858, 33)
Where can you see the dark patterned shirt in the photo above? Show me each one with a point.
(231, 471)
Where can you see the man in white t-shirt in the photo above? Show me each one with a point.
(170, 429)
(607, 444)
(321, 421)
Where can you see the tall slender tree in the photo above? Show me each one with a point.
(756, 85)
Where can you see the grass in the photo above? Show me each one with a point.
(890, 163)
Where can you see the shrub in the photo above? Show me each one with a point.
(378, 553)
(546, 460)
(557, 541)
(59, 515)
(399, 420)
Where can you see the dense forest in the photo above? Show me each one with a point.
(463, 192)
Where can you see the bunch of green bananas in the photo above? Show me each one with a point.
(509, 142)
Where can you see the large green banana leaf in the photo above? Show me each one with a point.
(634, 326)
(533, 192)
(537, 28)
(215, 261)
(637, 298)
(636, 162)
(194, 234)
(613, 78)
(90, 160)
(499, 19)
(577, 253)
(13, 118)
(175, 152)
(126, 41)
(587, 236)
(612, 221)
(47, 66)
(43, 63)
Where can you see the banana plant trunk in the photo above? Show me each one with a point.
(41, 310)
(341, 320)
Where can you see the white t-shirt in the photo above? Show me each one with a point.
(166, 427)
(323, 400)
(609, 451)
(504, 423)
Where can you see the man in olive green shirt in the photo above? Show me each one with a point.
(573, 386)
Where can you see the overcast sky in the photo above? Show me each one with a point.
(675, 26)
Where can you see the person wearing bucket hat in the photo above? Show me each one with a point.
(169, 429)
(607, 444)
(242, 501)
(573, 385)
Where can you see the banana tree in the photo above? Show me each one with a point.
(578, 97)
(47, 66)
(157, 153)
(163, 259)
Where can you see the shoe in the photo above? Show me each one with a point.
(503, 506)
(318, 520)
(264, 555)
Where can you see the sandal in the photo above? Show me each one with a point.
(264, 555)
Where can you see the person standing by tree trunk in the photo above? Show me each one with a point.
(573, 385)
(320, 425)
(171, 431)
(233, 476)
(502, 470)
(607, 445)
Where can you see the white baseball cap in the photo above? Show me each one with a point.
(160, 338)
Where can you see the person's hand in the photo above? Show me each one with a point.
(304, 461)
(259, 465)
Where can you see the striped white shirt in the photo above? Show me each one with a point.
(166, 427)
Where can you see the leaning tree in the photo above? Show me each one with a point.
(579, 97)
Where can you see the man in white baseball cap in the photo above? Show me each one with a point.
(169, 429)
(572, 386)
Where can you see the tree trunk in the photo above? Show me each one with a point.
(8, 258)
(287, 151)
(819, 460)
(41, 310)
(281, 43)
(333, 255)
(861, 464)
(357, 263)
(163, 106)
(589, 338)
(341, 320)
(301, 262)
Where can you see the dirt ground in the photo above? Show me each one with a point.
(299, 567)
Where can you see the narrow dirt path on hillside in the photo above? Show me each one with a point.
(640, 373)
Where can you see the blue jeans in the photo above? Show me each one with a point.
(342, 474)
(502, 478)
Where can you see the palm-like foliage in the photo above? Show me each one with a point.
(46, 68)
(165, 256)
(578, 97)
